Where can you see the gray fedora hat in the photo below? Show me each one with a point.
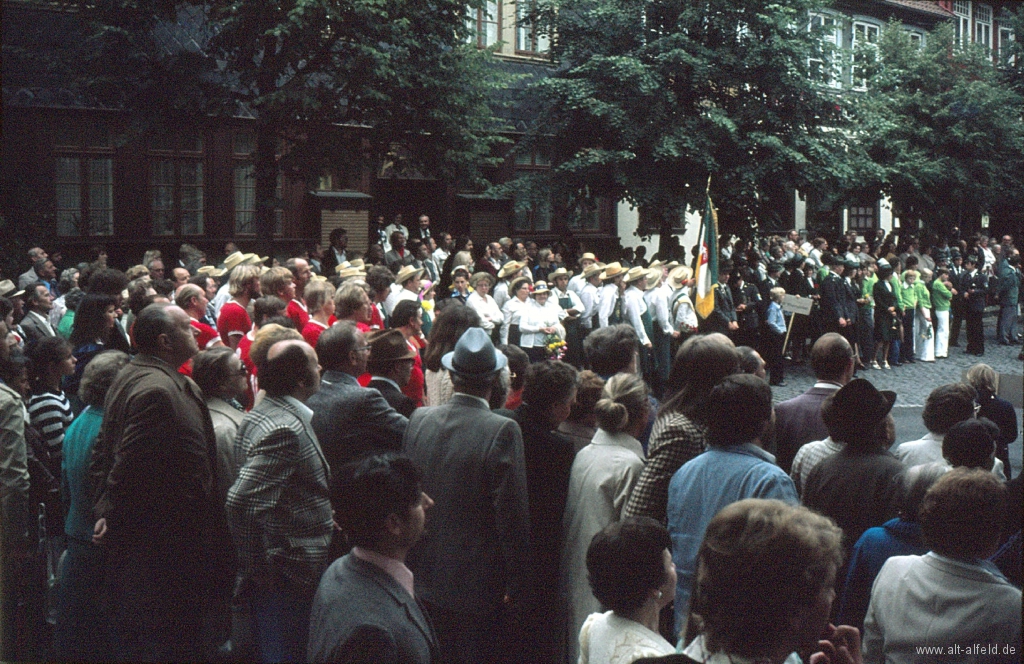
(474, 356)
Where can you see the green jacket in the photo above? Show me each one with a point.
(908, 296)
(924, 298)
(866, 288)
(941, 296)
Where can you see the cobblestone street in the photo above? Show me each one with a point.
(913, 382)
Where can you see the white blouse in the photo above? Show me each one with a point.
(534, 317)
(490, 312)
(610, 639)
(513, 310)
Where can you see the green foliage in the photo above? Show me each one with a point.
(944, 128)
(656, 95)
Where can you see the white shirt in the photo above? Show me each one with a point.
(606, 302)
(607, 638)
(925, 450)
(657, 303)
(440, 256)
(633, 306)
(490, 312)
(589, 297)
(685, 317)
(500, 293)
(398, 294)
(512, 310)
(577, 282)
(698, 652)
(575, 302)
(534, 317)
(220, 299)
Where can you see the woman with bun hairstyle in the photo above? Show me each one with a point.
(602, 477)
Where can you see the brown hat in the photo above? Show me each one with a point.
(389, 346)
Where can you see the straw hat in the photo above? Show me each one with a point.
(7, 289)
(351, 272)
(635, 274)
(408, 272)
(343, 265)
(654, 277)
(560, 272)
(671, 265)
(588, 257)
(679, 275)
(255, 259)
(318, 277)
(591, 270)
(212, 271)
(612, 270)
(509, 268)
(234, 260)
(358, 262)
(655, 264)
(539, 287)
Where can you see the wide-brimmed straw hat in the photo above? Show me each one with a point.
(635, 274)
(612, 270)
(510, 268)
(408, 272)
(234, 260)
(679, 275)
(560, 272)
(539, 287)
(591, 270)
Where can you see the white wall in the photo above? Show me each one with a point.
(629, 222)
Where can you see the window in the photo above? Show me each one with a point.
(962, 22)
(916, 39)
(535, 157)
(84, 180)
(243, 145)
(587, 216)
(1006, 38)
(983, 26)
(176, 184)
(528, 38)
(534, 216)
(824, 65)
(865, 39)
(483, 24)
(863, 217)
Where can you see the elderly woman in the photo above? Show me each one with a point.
(679, 433)
(319, 296)
(491, 318)
(540, 321)
(602, 477)
(631, 573)
(764, 587)
(513, 310)
(949, 596)
(223, 380)
(78, 636)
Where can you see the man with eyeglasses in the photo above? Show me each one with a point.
(351, 420)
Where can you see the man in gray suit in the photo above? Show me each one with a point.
(472, 562)
(36, 322)
(351, 420)
(279, 508)
(365, 609)
(798, 420)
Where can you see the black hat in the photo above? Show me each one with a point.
(855, 408)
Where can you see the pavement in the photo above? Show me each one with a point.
(914, 382)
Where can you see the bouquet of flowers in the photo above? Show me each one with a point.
(555, 346)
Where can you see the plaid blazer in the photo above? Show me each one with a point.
(675, 439)
(279, 507)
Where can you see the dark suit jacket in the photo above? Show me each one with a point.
(833, 295)
(975, 289)
(723, 313)
(478, 542)
(361, 614)
(351, 420)
(330, 262)
(798, 422)
(395, 262)
(394, 397)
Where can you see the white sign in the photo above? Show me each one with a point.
(795, 304)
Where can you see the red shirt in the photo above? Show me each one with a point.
(205, 339)
(312, 331)
(232, 321)
(297, 312)
(376, 320)
(244, 345)
(414, 389)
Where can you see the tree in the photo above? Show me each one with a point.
(656, 95)
(342, 85)
(944, 126)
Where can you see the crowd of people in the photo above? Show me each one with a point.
(448, 452)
